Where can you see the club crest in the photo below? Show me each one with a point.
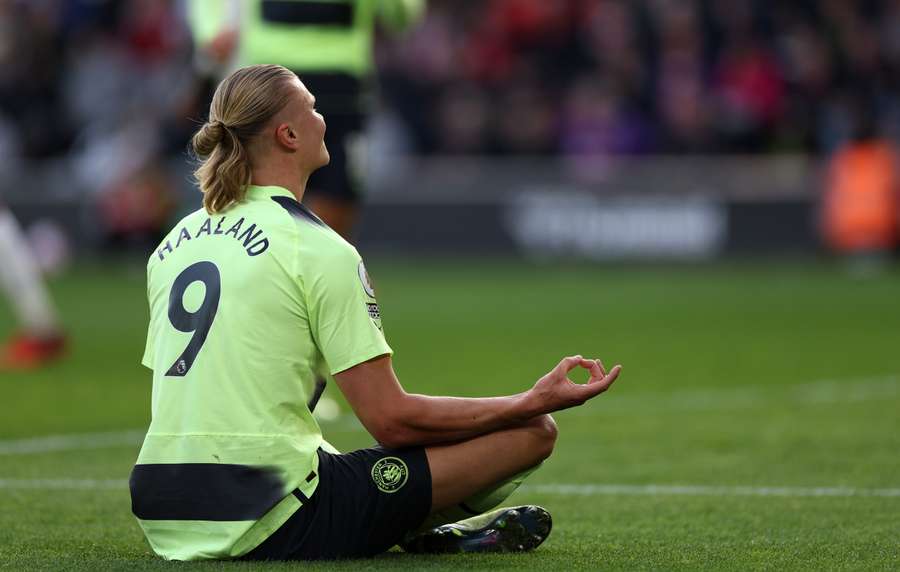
(389, 474)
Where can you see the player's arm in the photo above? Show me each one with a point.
(345, 324)
(398, 15)
(396, 418)
(214, 26)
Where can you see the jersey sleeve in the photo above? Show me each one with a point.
(147, 360)
(344, 315)
(150, 345)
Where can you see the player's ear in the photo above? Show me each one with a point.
(286, 136)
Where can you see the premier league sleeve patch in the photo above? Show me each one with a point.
(371, 305)
(366, 280)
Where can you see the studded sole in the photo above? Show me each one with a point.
(517, 529)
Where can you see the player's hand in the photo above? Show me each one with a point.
(555, 391)
(222, 46)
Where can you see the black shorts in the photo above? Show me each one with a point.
(339, 98)
(338, 180)
(366, 501)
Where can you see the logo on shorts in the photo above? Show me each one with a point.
(389, 474)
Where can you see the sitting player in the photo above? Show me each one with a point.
(246, 296)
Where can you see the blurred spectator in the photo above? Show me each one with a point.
(30, 78)
(104, 90)
(862, 194)
(527, 124)
(730, 76)
(463, 115)
(682, 103)
(747, 81)
(598, 120)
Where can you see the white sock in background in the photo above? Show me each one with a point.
(22, 281)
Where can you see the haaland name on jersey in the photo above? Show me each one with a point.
(253, 238)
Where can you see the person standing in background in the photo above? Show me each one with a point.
(328, 44)
(41, 339)
(861, 203)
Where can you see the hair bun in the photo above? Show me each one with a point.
(208, 137)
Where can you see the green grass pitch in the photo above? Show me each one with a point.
(756, 424)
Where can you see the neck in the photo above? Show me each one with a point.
(293, 182)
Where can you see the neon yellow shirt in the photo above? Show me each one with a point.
(314, 35)
(243, 305)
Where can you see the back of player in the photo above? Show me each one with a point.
(233, 332)
(245, 296)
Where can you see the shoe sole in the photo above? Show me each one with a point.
(518, 529)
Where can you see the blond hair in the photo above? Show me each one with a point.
(243, 103)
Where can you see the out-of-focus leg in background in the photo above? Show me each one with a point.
(40, 338)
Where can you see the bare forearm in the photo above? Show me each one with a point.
(399, 419)
(428, 419)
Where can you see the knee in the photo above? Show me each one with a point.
(545, 431)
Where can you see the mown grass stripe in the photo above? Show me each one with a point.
(565, 489)
(707, 490)
(72, 442)
(65, 484)
(112, 439)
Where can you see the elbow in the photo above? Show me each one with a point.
(395, 440)
(393, 429)
(393, 435)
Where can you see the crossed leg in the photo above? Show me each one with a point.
(463, 469)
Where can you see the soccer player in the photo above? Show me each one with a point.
(246, 295)
(41, 339)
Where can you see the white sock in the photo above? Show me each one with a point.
(22, 280)
(478, 503)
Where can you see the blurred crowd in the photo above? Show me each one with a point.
(79, 73)
(646, 76)
(113, 81)
(101, 93)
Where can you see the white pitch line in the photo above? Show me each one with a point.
(64, 484)
(129, 437)
(73, 442)
(552, 489)
(707, 490)
(824, 391)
